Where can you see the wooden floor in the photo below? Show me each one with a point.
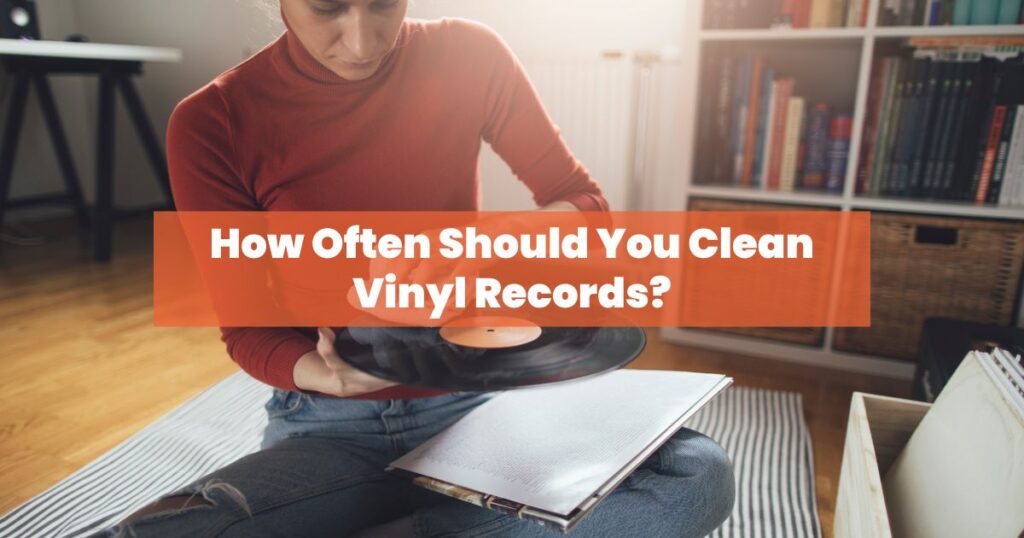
(82, 367)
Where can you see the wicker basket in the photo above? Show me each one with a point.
(809, 336)
(924, 266)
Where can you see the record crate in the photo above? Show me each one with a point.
(807, 336)
(924, 266)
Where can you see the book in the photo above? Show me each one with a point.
(960, 473)
(838, 154)
(816, 160)
(802, 15)
(723, 119)
(1009, 12)
(820, 13)
(750, 124)
(791, 144)
(551, 454)
(988, 159)
(949, 152)
(764, 128)
(783, 92)
(884, 163)
(946, 12)
(984, 11)
(898, 165)
(924, 128)
(1014, 176)
(962, 12)
(745, 68)
(999, 168)
(879, 80)
(887, 126)
(944, 117)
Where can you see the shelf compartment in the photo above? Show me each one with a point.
(805, 336)
(731, 147)
(925, 266)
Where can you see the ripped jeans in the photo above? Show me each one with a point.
(321, 473)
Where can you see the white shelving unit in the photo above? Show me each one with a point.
(866, 38)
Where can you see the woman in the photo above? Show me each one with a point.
(356, 108)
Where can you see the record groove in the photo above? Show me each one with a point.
(419, 356)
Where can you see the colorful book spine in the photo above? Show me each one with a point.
(853, 13)
(988, 162)
(750, 125)
(765, 138)
(999, 168)
(1009, 12)
(924, 128)
(946, 12)
(786, 15)
(1013, 190)
(742, 102)
(802, 16)
(791, 143)
(906, 135)
(821, 13)
(962, 12)
(886, 126)
(783, 92)
(816, 159)
(879, 76)
(723, 119)
(840, 130)
(941, 135)
(931, 12)
(984, 11)
(837, 13)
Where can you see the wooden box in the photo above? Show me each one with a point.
(878, 429)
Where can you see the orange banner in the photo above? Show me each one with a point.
(710, 269)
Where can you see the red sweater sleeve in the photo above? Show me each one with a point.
(519, 130)
(205, 177)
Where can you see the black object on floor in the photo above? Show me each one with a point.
(945, 342)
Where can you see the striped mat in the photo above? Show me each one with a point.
(762, 430)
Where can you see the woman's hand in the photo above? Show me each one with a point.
(323, 371)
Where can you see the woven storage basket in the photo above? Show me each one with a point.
(924, 266)
(809, 336)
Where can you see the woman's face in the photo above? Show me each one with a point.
(349, 37)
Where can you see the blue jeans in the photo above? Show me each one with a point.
(321, 473)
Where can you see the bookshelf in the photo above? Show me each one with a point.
(858, 48)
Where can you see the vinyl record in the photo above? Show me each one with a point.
(421, 357)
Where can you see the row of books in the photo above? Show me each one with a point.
(761, 134)
(944, 12)
(945, 126)
(784, 13)
(719, 14)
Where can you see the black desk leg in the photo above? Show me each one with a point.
(60, 146)
(15, 116)
(104, 219)
(145, 130)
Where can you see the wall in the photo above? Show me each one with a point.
(35, 170)
(540, 30)
(215, 35)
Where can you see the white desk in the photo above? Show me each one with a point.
(88, 51)
(29, 63)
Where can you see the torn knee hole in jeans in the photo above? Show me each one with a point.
(190, 502)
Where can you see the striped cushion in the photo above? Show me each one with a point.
(762, 430)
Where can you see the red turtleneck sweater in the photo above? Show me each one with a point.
(280, 132)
